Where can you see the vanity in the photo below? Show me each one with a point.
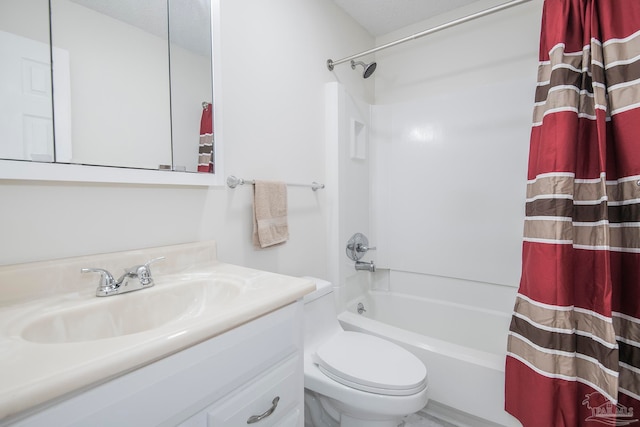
(209, 344)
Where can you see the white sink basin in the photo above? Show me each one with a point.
(139, 311)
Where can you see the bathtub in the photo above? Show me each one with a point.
(463, 347)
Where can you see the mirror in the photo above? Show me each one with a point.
(191, 84)
(26, 113)
(130, 78)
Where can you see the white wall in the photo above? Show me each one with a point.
(273, 75)
(452, 117)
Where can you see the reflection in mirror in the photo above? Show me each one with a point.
(26, 119)
(111, 89)
(191, 84)
(119, 79)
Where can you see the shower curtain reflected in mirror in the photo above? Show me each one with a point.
(205, 149)
(574, 343)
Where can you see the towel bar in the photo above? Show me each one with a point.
(233, 182)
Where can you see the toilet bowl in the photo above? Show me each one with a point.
(353, 379)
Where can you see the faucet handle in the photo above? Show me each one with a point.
(151, 261)
(144, 272)
(360, 247)
(106, 279)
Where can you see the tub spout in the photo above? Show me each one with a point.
(366, 266)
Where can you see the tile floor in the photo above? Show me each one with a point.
(423, 420)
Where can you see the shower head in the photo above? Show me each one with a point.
(368, 68)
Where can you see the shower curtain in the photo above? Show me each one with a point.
(205, 149)
(574, 343)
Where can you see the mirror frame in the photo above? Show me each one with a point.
(38, 171)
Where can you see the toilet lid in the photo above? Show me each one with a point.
(371, 364)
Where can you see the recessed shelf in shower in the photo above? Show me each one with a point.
(358, 140)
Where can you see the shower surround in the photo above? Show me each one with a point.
(446, 268)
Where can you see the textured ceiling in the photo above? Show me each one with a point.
(380, 17)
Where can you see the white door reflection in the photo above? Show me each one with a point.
(26, 125)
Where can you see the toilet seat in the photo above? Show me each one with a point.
(355, 359)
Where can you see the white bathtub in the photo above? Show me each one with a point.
(462, 346)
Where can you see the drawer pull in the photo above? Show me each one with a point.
(255, 418)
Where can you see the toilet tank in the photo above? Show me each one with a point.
(320, 316)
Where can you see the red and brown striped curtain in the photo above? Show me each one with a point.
(205, 148)
(574, 343)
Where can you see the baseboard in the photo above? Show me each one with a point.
(451, 417)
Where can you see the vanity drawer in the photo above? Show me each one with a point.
(271, 400)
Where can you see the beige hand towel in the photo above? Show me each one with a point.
(270, 226)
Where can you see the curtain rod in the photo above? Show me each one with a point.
(331, 63)
(233, 182)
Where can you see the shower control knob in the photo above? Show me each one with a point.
(357, 246)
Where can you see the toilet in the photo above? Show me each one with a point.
(352, 379)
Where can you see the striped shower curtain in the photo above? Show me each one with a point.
(574, 344)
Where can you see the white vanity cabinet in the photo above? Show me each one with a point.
(220, 382)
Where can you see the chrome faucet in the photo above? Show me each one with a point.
(133, 279)
(366, 266)
(357, 246)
